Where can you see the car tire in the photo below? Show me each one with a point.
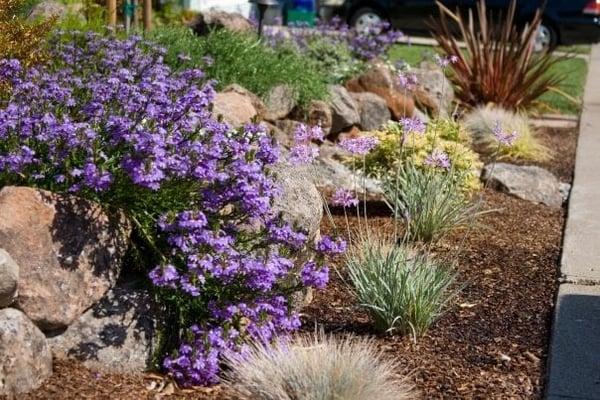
(365, 16)
(547, 37)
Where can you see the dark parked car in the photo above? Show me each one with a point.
(565, 21)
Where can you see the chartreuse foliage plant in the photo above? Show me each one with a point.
(403, 290)
(480, 123)
(400, 143)
(316, 367)
(109, 120)
(230, 57)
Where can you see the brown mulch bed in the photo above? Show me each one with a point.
(492, 343)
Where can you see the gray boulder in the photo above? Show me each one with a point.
(69, 252)
(434, 91)
(529, 183)
(373, 110)
(216, 19)
(9, 278)
(344, 110)
(280, 102)
(25, 358)
(117, 335)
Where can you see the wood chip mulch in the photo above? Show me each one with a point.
(492, 343)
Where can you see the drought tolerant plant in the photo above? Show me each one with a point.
(400, 143)
(316, 367)
(243, 59)
(430, 204)
(20, 39)
(110, 121)
(403, 290)
(481, 121)
(498, 65)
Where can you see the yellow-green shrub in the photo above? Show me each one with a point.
(446, 135)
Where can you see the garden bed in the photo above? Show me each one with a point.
(492, 343)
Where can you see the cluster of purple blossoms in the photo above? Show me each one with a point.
(359, 146)
(344, 198)
(504, 138)
(374, 40)
(445, 61)
(108, 119)
(407, 81)
(412, 125)
(303, 151)
(328, 245)
(438, 159)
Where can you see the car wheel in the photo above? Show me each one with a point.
(547, 37)
(364, 18)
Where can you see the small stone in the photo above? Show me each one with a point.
(529, 183)
(343, 109)
(319, 113)
(236, 109)
(280, 102)
(373, 110)
(9, 278)
(25, 358)
(213, 19)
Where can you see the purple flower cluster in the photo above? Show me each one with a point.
(374, 40)
(438, 159)
(359, 146)
(303, 152)
(503, 137)
(344, 198)
(108, 119)
(412, 125)
(408, 80)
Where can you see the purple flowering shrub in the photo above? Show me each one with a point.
(110, 121)
(335, 47)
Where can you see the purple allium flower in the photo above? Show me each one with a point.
(504, 138)
(344, 198)
(412, 125)
(407, 80)
(303, 154)
(304, 134)
(438, 159)
(328, 245)
(445, 61)
(313, 275)
(360, 146)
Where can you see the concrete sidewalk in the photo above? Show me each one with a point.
(574, 360)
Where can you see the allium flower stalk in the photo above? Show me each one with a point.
(412, 125)
(438, 159)
(344, 198)
(359, 146)
(407, 81)
(503, 137)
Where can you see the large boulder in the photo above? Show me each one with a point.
(9, 278)
(25, 358)
(299, 203)
(379, 79)
(373, 110)
(236, 109)
(530, 183)
(434, 91)
(118, 334)
(212, 19)
(280, 102)
(319, 113)
(257, 103)
(343, 109)
(69, 252)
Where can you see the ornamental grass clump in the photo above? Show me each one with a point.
(108, 120)
(430, 204)
(316, 367)
(497, 64)
(481, 122)
(404, 291)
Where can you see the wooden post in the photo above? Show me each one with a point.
(111, 12)
(147, 15)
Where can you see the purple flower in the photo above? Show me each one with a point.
(305, 134)
(313, 275)
(412, 125)
(504, 138)
(328, 245)
(407, 81)
(445, 61)
(438, 159)
(344, 198)
(360, 146)
(303, 154)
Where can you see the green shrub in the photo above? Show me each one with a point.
(316, 367)
(480, 123)
(431, 204)
(403, 291)
(243, 59)
(445, 135)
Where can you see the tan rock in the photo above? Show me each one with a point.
(236, 109)
(9, 278)
(319, 113)
(69, 252)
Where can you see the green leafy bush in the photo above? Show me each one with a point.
(316, 367)
(444, 134)
(431, 204)
(403, 291)
(480, 123)
(243, 59)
